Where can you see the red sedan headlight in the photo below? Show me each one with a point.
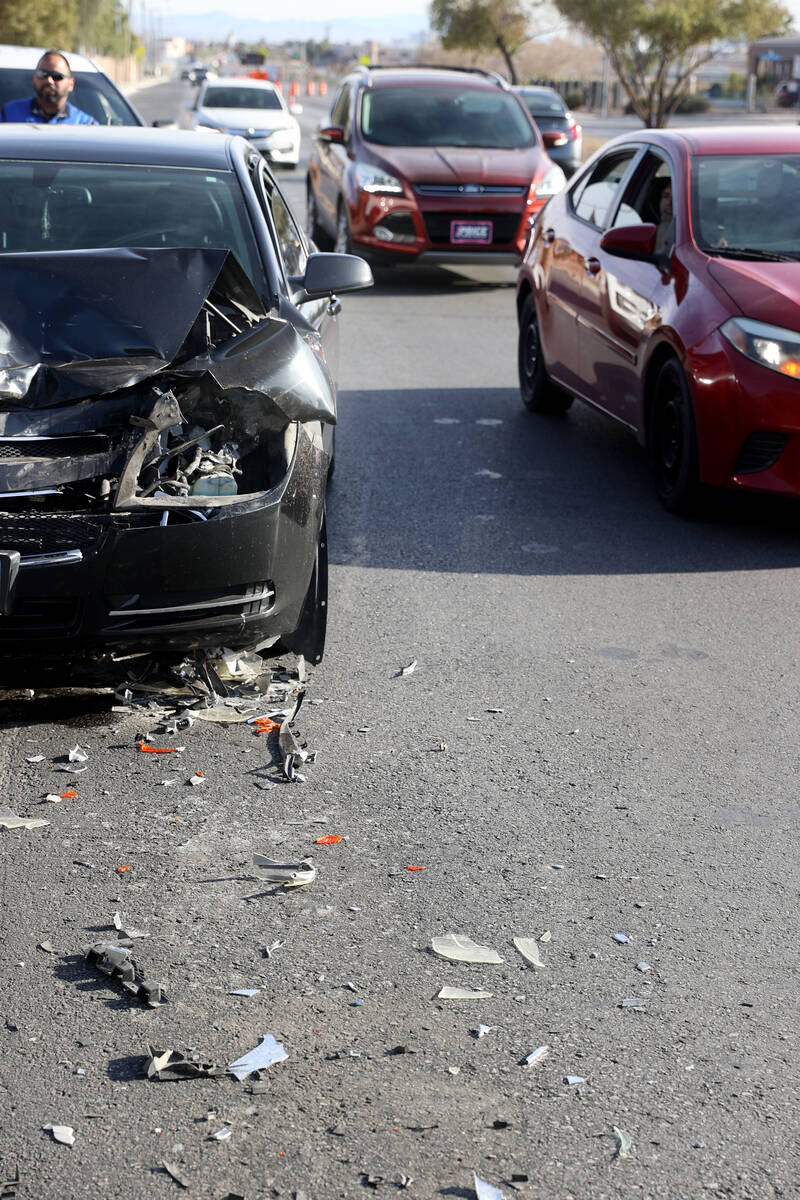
(769, 345)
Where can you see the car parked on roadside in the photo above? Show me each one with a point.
(253, 108)
(663, 288)
(561, 133)
(94, 92)
(167, 400)
(431, 164)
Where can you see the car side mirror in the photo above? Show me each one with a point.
(632, 241)
(331, 133)
(330, 273)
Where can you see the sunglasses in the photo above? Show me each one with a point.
(56, 76)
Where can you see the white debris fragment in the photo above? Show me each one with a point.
(64, 1134)
(537, 1055)
(633, 1002)
(456, 993)
(488, 421)
(546, 936)
(625, 1142)
(574, 1079)
(486, 1191)
(622, 938)
(10, 820)
(52, 798)
(244, 992)
(290, 874)
(221, 1135)
(642, 966)
(78, 755)
(482, 1030)
(122, 926)
(459, 948)
(264, 1055)
(410, 669)
(529, 950)
(446, 421)
(198, 779)
(34, 758)
(487, 474)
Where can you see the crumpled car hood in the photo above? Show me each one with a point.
(88, 323)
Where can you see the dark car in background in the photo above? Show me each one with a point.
(663, 288)
(563, 136)
(429, 164)
(94, 92)
(167, 400)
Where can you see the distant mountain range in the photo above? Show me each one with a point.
(216, 26)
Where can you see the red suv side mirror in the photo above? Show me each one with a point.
(331, 133)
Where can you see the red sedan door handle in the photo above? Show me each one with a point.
(549, 236)
(593, 266)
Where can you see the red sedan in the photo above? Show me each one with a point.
(663, 287)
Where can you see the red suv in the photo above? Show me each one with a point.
(434, 164)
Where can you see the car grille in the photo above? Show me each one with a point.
(470, 189)
(51, 449)
(759, 452)
(42, 617)
(189, 610)
(504, 225)
(45, 533)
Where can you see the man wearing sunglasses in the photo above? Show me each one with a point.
(52, 83)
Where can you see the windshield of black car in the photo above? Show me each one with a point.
(746, 204)
(93, 93)
(240, 97)
(543, 106)
(445, 116)
(87, 206)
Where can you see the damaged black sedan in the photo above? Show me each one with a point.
(167, 401)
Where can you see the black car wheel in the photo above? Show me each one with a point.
(673, 441)
(538, 393)
(342, 244)
(309, 637)
(313, 228)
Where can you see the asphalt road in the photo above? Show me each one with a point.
(639, 779)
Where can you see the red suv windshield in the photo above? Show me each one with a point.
(444, 116)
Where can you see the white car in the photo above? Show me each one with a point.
(253, 108)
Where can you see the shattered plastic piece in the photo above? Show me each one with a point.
(121, 925)
(122, 870)
(329, 839)
(244, 992)
(415, 867)
(117, 962)
(487, 474)
(264, 1055)
(622, 938)
(529, 950)
(405, 1181)
(625, 1142)
(486, 1191)
(66, 769)
(537, 1055)
(494, 710)
(145, 749)
(175, 1174)
(642, 966)
(633, 1002)
(546, 936)
(62, 1133)
(454, 1070)
(457, 993)
(482, 1030)
(198, 779)
(269, 950)
(459, 948)
(172, 1065)
(52, 798)
(78, 755)
(10, 820)
(573, 1079)
(290, 874)
(34, 758)
(410, 669)
(48, 947)
(221, 1135)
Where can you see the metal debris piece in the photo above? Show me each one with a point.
(622, 938)
(294, 753)
(537, 1055)
(642, 966)
(633, 1002)
(290, 874)
(486, 1191)
(264, 1055)
(625, 1142)
(409, 670)
(529, 951)
(123, 927)
(171, 1065)
(221, 1135)
(494, 710)
(10, 820)
(244, 992)
(573, 1079)
(459, 948)
(117, 962)
(457, 993)
(9, 1187)
(78, 755)
(175, 1174)
(64, 1134)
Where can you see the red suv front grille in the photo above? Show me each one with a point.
(504, 225)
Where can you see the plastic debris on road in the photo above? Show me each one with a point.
(175, 1173)
(486, 1191)
(35, 758)
(48, 947)
(546, 937)
(198, 779)
(10, 820)
(415, 867)
(78, 755)
(482, 1030)
(244, 992)
(264, 1055)
(290, 874)
(625, 1142)
(67, 769)
(408, 670)
(633, 1002)
(221, 1135)
(529, 951)
(642, 966)
(117, 962)
(64, 1134)
(622, 938)
(572, 1080)
(123, 927)
(537, 1055)
(457, 993)
(329, 839)
(172, 1065)
(145, 749)
(459, 948)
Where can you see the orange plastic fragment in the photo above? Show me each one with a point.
(415, 868)
(122, 870)
(145, 749)
(69, 795)
(266, 725)
(330, 839)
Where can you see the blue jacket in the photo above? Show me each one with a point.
(29, 112)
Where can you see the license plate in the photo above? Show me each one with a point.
(471, 233)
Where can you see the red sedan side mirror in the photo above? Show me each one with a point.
(631, 241)
(331, 133)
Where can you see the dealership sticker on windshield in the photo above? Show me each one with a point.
(473, 233)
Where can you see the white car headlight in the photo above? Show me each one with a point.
(769, 345)
(374, 179)
(554, 181)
